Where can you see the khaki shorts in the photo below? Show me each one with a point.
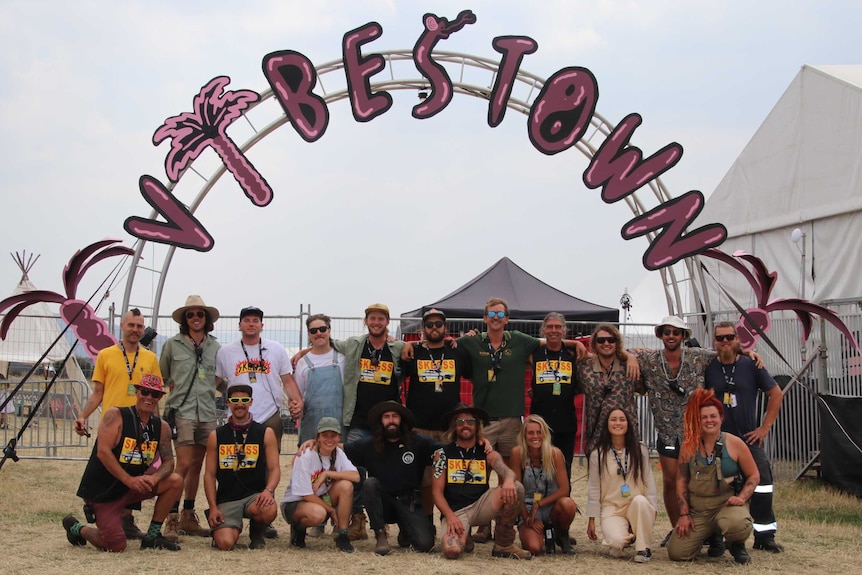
(234, 512)
(192, 432)
(503, 434)
(481, 512)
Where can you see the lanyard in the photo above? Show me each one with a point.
(556, 370)
(259, 353)
(710, 457)
(540, 480)
(199, 352)
(438, 367)
(240, 453)
(496, 355)
(142, 433)
(728, 379)
(331, 465)
(374, 354)
(129, 368)
(622, 469)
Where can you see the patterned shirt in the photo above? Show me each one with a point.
(605, 392)
(667, 405)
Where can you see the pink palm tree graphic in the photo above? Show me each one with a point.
(756, 321)
(192, 132)
(89, 328)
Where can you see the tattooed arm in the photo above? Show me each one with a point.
(738, 450)
(684, 526)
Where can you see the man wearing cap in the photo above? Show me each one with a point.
(461, 490)
(242, 472)
(395, 458)
(188, 364)
(119, 368)
(121, 472)
(321, 487)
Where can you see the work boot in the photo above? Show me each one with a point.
(565, 544)
(403, 539)
(77, 540)
(482, 534)
(740, 555)
(356, 530)
(770, 545)
(189, 524)
(297, 536)
(382, 547)
(158, 542)
(256, 535)
(131, 530)
(469, 546)
(504, 542)
(270, 532)
(342, 541)
(716, 545)
(171, 529)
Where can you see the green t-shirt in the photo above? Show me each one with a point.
(500, 390)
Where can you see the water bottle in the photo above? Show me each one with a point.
(549, 539)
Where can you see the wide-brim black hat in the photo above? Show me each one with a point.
(476, 412)
(378, 410)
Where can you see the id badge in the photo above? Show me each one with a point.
(726, 398)
(202, 373)
(492, 376)
(557, 388)
(131, 389)
(438, 386)
(537, 496)
(626, 490)
(252, 378)
(326, 498)
(732, 400)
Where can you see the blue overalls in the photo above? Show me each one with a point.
(324, 397)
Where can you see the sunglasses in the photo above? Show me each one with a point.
(238, 400)
(191, 314)
(321, 329)
(436, 323)
(468, 421)
(151, 393)
(725, 337)
(499, 314)
(610, 339)
(669, 331)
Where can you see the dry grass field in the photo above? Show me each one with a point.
(821, 530)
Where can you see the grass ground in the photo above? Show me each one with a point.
(821, 530)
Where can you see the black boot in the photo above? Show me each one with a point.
(740, 555)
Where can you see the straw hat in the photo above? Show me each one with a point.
(194, 301)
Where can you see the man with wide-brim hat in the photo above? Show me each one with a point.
(395, 459)
(188, 364)
(477, 412)
(673, 322)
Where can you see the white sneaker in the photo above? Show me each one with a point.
(316, 531)
(643, 556)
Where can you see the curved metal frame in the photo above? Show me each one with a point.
(601, 128)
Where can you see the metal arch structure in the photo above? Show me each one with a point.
(600, 128)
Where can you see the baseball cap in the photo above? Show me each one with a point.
(251, 310)
(431, 312)
(381, 307)
(328, 424)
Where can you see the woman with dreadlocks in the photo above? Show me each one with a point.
(717, 477)
(621, 488)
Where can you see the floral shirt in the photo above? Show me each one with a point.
(668, 405)
(605, 392)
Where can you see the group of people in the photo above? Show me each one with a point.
(399, 461)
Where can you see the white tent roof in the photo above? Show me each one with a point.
(802, 168)
(32, 332)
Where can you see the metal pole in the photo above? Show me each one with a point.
(802, 293)
(823, 386)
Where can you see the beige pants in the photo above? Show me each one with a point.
(640, 515)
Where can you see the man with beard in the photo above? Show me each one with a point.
(395, 459)
(188, 364)
(242, 472)
(118, 370)
(461, 490)
(736, 381)
(120, 472)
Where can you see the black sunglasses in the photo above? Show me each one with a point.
(669, 331)
(151, 393)
(725, 337)
(610, 339)
(199, 313)
(321, 329)
(436, 323)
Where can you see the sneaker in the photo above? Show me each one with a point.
(317, 531)
(131, 530)
(770, 545)
(270, 532)
(643, 556)
(297, 536)
(382, 546)
(190, 525)
(482, 534)
(356, 530)
(511, 552)
(666, 538)
(342, 541)
(716, 545)
(76, 540)
(740, 555)
(158, 542)
(171, 530)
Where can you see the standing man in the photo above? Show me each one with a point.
(320, 378)
(188, 364)
(736, 381)
(262, 364)
(120, 473)
(118, 370)
(555, 385)
(461, 490)
(395, 459)
(242, 472)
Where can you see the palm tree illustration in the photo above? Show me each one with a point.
(756, 321)
(192, 132)
(90, 329)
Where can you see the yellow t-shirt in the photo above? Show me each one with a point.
(111, 370)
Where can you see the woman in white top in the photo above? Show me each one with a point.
(621, 489)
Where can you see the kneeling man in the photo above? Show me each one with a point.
(121, 471)
(241, 474)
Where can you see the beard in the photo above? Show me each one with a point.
(435, 336)
(727, 355)
(391, 432)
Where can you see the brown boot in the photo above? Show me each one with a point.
(382, 547)
(130, 529)
(504, 541)
(482, 534)
(171, 529)
(356, 530)
(189, 524)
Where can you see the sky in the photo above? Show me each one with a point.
(396, 210)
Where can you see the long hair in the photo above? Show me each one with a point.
(611, 329)
(380, 442)
(547, 450)
(448, 436)
(693, 433)
(632, 445)
(208, 323)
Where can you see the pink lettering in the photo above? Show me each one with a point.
(292, 78)
(513, 49)
(562, 111)
(365, 105)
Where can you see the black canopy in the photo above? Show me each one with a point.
(528, 297)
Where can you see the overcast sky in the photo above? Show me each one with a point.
(397, 210)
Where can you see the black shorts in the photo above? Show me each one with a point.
(668, 451)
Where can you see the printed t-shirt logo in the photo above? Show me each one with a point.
(131, 455)
(229, 457)
(467, 471)
(253, 366)
(545, 371)
(428, 373)
(380, 374)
